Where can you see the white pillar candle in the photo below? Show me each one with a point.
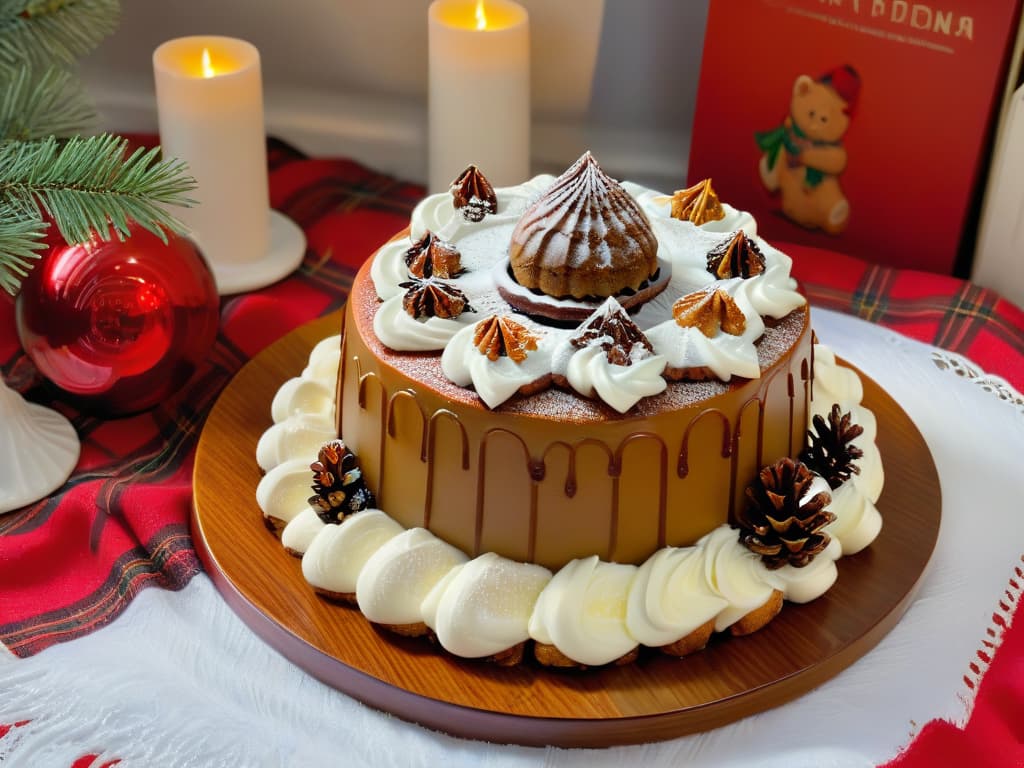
(210, 108)
(479, 90)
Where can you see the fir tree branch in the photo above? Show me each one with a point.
(43, 30)
(36, 102)
(87, 186)
(21, 239)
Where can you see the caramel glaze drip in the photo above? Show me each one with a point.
(807, 377)
(615, 469)
(431, 453)
(791, 390)
(390, 420)
(537, 468)
(683, 458)
(341, 376)
(533, 467)
(571, 485)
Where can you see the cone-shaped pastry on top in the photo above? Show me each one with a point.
(584, 237)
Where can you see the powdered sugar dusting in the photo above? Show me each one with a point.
(485, 247)
(780, 337)
(556, 403)
(585, 220)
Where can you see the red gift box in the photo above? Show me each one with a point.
(887, 105)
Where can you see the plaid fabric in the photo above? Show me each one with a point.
(72, 562)
(953, 314)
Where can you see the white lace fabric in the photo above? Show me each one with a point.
(179, 680)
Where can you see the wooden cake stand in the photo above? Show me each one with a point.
(655, 698)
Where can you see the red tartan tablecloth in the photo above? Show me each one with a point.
(121, 522)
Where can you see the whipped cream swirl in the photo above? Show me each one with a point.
(801, 585)
(620, 386)
(303, 409)
(437, 213)
(483, 607)
(689, 349)
(659, 205)
(682, 252)
(671, 597)
(858, 520)
(582, 611)
(300, 531)
(495, 381)
(400, 331)
(590, 372)
(593, 611)
(283, 492)
(337, 555)
(394, 579)
(736, 574)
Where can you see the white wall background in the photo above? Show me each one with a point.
(348, 77)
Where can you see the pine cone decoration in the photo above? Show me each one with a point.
(338, 483)
(779, 523)
(830, 452)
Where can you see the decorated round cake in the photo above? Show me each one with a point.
(574, 413)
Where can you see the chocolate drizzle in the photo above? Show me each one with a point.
(433, 298)
(430, 256)
(473, 194)
(463, 472)
(614, 331)
(683, 458)
(738, 256)
(432, 427)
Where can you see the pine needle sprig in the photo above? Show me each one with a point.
(44, 30)
(21, 237)
(38, 101)
(88, 187)
(88, 184)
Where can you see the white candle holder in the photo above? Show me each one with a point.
(210, 109)
(38, 450)
(479, 91)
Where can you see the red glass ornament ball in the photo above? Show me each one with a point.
(119, 325)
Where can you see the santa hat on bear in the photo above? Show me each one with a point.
(845, 81)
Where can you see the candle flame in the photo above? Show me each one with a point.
(481, 17)
(207, 66)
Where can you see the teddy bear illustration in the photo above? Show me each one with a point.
(803, 158)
